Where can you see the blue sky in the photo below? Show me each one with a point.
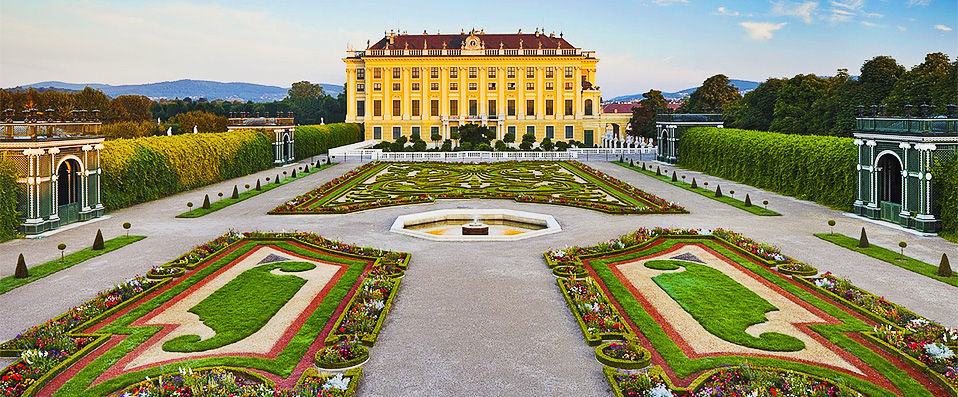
(642, 44)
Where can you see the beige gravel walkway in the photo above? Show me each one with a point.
(472, 318)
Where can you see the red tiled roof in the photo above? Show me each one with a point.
(454, 41)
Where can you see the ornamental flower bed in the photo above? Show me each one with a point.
(368, 304)
(762, 250)
(798, 269)
(569, 256)
(745, 381)
(644, 385)
(198, 254)
(225, 382)
(342, 354)
(627, 355)
(45, 346)
(930, 343)
(596, 312)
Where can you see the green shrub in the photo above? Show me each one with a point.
(313, 140)
(816, 168)
(9, 191)
(946, 185)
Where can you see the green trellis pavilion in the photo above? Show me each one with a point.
(895, 161)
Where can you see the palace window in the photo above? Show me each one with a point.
(549, 86)
(491, 72)
(568, 85)
(415, 86)
(415, 108)
(549, 111)
(397, 132)
(511, 107)
(473, 107)
(569, 132)
(492, 108)
(531, 129)
(360, 74)
(492, 86)
(453, 107)
(550, 132)
(453, 72)
(377, 73)
(434, 86)
(433, 131)
(397, 86)
(530, 86)
(434, 73)
(550, 72)
(360, 87)
(473, 86)
(397, 73)
(416, 132)
(588, 107)
(377, 86)
(360, 108)
(473, 72)
(397, 107)
(453, 86)
(511, 72)
(511, 86)
(511, 130)
(415, 72)
(434, 107)
(530, 107)
(568, 72)
(377, 108)
(530, 72)
(568, 107)
(377, 132)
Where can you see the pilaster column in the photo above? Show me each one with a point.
(873, 174)
(54, 184)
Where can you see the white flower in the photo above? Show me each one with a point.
(919, 322)
(939, 351)
(336, 382)
(31, 356)
(377, 304)
(824, 283)
(660, 391)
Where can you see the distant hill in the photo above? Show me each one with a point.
(742, 85)
(194, 89)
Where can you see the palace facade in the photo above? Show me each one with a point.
(433, 83)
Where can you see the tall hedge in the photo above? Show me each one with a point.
(8, 199)
(317, 139)
(946, 186)
(144, 169)
(809, 167)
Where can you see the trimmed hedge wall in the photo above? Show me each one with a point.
(144, 169)
(809, 167)
(312, 140)
(946, 184)
(8, 200)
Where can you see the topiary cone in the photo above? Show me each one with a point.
(675, 177)
(694, 185)
(658, 171)
(294, 174)
(748, 200)
(863, 240)
(277, 179)
(258, 187)
(21, 271)
(306, 168)
(235, 193)
(206, 202)
(718, 190)
(944, 268)
(98, 241)
(631, 163)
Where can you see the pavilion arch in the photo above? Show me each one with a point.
(890, 178)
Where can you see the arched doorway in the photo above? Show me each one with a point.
(889, 186)
(68, 190)
(287, 148)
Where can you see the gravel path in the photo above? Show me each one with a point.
(472, 318)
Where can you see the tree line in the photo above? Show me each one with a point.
(130, 116)
(811, 104)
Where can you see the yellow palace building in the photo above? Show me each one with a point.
(433, 83)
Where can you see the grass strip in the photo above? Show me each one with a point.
(37, 272)
(218, 205)
(887, 255)
(754, 209)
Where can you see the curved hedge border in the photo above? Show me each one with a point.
(797, 269)
(606, 359)
(359, 360)
(353, 374)
(260, 378)
(816, 168)
(569, 271)
(696, 385)
(174, 272)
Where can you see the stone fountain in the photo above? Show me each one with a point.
(475, 228)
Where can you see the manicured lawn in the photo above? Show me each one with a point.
(887, 255)
(755, 208)
(242, 306)
(721, 305)
(37, 272)
(252, 192)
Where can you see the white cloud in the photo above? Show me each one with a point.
(761, 30)
(874, 15)
(726, 11)
(902, 28)
(943, 28)
(669, 2)
(918, 3)
(869, 24)
(802, 11)
(851, 4)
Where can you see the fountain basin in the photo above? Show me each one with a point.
(464, 224)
